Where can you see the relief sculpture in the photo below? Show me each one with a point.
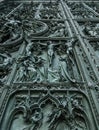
(5, 66)
(50, 65)
(67, 114)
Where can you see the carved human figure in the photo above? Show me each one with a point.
(29, 48)
(10, 30)
(7, 60)
(5, 64)
(90, 29)
(36, 121)
(37, 15)
(59, 31)
(66, 72)
(22, 73)
(69, 60)
(29, 69)
(50, 52)
(25, 72)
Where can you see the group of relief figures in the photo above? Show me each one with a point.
(47, 62)
(51, 117)
(5, 65)
(91, 30)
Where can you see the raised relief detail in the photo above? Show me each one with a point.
(51, 113)
(53, 62)
(49, 65)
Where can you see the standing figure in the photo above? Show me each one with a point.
(50, 53)
(29, 48)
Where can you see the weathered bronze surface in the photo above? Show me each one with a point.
(49, 65)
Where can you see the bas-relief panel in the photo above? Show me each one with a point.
(47, 61)
(53, 62)
(90, 29)
(82, 10)
(24, 22)
(39, 11)
(15, 28)
(38, 111)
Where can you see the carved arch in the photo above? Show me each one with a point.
(44, 100)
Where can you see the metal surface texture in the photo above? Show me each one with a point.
(49, 65)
